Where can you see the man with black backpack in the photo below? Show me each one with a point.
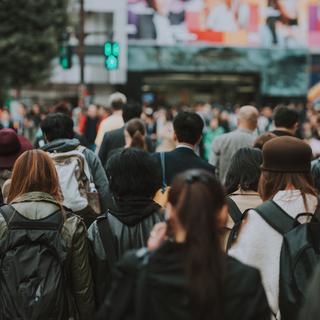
(83, 181)
(281, 237)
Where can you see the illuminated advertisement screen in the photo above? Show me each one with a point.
(252, 23)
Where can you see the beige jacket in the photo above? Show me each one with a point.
(244, 200)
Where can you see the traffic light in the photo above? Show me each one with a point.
(111, 53)
(65, 57)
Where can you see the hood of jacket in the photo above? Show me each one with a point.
(131, 211)
(61, 145)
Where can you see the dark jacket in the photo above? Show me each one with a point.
(38, 205)
(130, 226)
(180, 160)
(114, 140)
(311, 308)
(154, 286)
(98, 174)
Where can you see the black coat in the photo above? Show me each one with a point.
(115, 140)
(130, 226)
(180, 160)
(154, 286)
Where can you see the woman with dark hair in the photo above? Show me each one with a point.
(134, 134)
(134, 179)
(185, 274)
(242, 183)
(40, 243)
(286, 180)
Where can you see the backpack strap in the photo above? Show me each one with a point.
(107, 239)
(275, 216)
(163, 171)
(234, 210)
(7, 211)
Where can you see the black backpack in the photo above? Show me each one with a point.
(33, 257)
(300, 253)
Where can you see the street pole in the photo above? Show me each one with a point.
(81, 53)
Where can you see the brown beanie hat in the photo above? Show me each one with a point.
(286, 154)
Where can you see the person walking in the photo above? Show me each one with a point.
(185, 274)
(188, 127)
(11, 147)
(225, 146)
(242, 186)
(286, 180)
(113, 122)
(286, 122)
(45, 271)
(134, 179)
(77, 166)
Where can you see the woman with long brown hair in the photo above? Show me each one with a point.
(287, 185)
(185, 274)
(45, 271)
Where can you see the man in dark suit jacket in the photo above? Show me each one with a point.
(115, 139)
(188, 127)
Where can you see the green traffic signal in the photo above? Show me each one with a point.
(116, 49)
(107, 48)
(112, 63)
(111, 53)
(65, 57)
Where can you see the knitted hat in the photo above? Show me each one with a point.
(11, 147)
(286, 154)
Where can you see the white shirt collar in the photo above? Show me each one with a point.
(182, 145)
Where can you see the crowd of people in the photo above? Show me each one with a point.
(128, 211)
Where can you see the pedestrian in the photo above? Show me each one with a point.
(242, 185)
(286, 121)
(188, 128)
(134, 179)
(115, 121)
(225, 146)
(40, 244)
(89, 126)
(287, 181)
(135, 134)
(81, 174)
(185, 274)
(5, 120)
(211, 133)
(11, 147)
(115, 139)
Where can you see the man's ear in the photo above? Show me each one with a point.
(175, 139)
(294, 128)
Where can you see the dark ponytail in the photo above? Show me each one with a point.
(198, 198)
(137, 131)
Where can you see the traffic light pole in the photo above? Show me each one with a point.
(81, 53)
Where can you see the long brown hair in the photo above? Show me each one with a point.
(198, 198)
(272, 182)
(33, 171)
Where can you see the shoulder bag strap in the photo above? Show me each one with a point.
(163, 170)
(275, 216)
(107, 240)
(234, 210)
(7, 211)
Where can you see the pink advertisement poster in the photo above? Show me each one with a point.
(252, 23)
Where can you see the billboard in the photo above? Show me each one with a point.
(253, 23)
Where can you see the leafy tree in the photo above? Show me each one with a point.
(30, 31)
